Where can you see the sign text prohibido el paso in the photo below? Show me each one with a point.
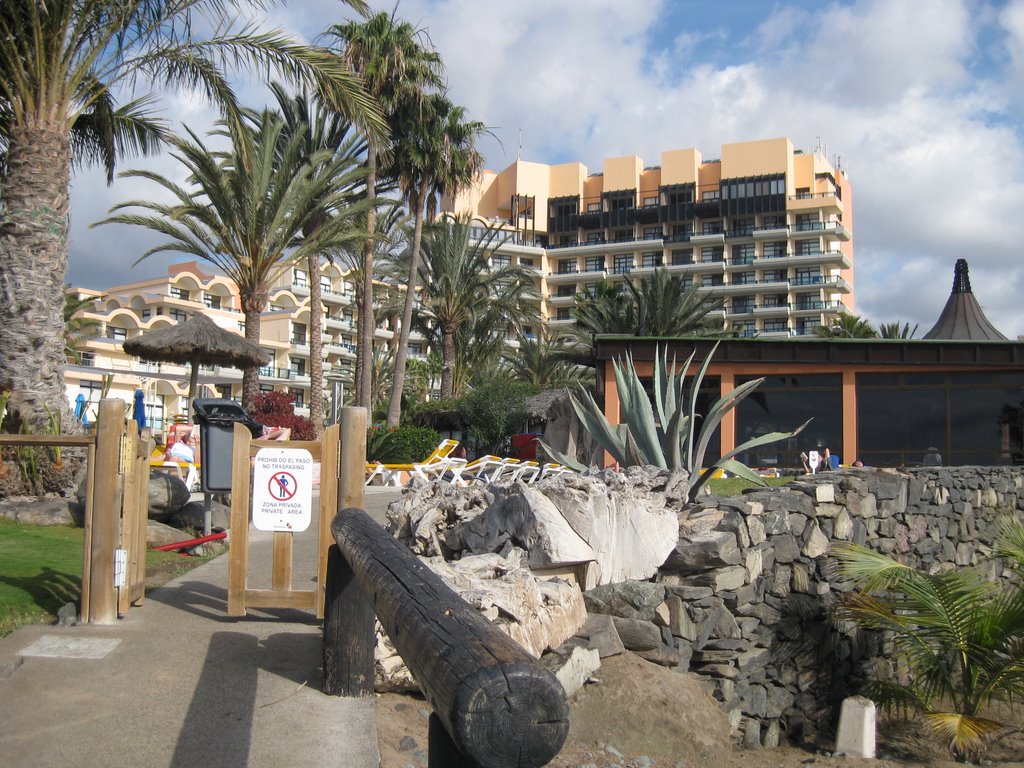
(282, 489)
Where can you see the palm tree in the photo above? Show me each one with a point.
(895, 331)
(846, 327)
(459, 288)
(435, 149)
(246, 210)
(542, 361)
(324, 134)
(60, 63)
(958, 636)
(389, 56)
(77, 328)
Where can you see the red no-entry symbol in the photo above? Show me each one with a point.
(282, 486)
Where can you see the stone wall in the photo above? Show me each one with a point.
(749, 584)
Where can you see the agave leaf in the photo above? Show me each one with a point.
(595, 422)
(661, 387)
(698, 478)
(694, 457)
(714, 417)
(633, 452)
(562, 458)
(636, 411)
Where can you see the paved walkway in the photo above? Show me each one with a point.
(179, 683)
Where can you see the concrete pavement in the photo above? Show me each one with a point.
(179, 683)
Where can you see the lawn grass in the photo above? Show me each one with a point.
(41, 570)
(734, 486)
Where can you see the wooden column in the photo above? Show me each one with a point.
(238, 551)
(352, 475)
(727, 431)
(349, 636)
(330, 473)
(106, 512)
(849, 446)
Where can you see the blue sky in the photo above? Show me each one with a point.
(922, 102)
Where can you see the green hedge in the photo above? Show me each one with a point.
(402, 445)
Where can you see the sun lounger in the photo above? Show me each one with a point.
(436, 463)
(187, 472)
(485, 469)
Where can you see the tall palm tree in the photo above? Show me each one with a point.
(325, 134)
(846, 327)
(434, 149)
(389, 55)
(60, 63)
(459, 286)
(245, 211)
(77, 327)
(542, 361)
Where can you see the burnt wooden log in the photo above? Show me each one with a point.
(500, 707)
(349, 633)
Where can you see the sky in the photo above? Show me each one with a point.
(920, 102)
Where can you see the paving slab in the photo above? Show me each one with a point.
(178, 683)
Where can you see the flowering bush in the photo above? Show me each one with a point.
(275, 409)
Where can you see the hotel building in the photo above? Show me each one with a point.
(766, 227)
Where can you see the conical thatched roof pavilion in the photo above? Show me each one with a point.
(962, 318)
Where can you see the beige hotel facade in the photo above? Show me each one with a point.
(765, 226)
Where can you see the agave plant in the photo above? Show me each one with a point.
(959, 637)
(664, 433)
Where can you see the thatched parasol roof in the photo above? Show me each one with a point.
(197, 341)
(538, 407)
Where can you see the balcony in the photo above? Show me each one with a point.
(772, 310)
(562, 301)
(714, 238)
(739, 234)
(805, 259)
(827, 201)
(677, 241)
(770, 233)
(299, 289)
(340, 298)
(805, 307)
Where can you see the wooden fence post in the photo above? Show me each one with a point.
(351, 480)
(349, 637)
(106, 509)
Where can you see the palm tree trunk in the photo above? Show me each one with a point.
(33, 266)
(252, 309)
(402, 353)
(316, 347)
(448, 357)
(366, 324)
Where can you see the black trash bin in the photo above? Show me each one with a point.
(217, 419)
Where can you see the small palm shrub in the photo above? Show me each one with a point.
(959, 638)
(400, 445)
(664, 433)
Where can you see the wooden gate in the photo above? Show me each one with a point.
(342, 457)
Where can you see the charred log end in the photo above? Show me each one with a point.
(512, 715)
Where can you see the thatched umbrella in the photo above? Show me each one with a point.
(198, 341)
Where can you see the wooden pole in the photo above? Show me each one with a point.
(142, 510)
(351, 488)
(106, 511)
(238, 551)
(85, 609)
(129, 516)
(349, 635)
(330, 472)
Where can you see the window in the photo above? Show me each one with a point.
(742, 304)
(297, 366)
(684, 256)
(808, 276)
(650, 202)
(620, 204)
(299, 279)
(711, 280)
(803, 192)
(650, 259)
(743, 278)
(594, 264)
(774, 222)
(775, 276)
(593, 207)
(622, 235)
(623, 264)
(525, 262)
(807, 247)
(212, 301)
(680, 196)
(497, 262)
(299, 334)
(710, 196)
(566, 290)
(743, 226)
(777, 301)
(177, 316)
(711, 227)
(325, 285)
(683, 230)
(807, 222)
(566, 266)
(146, 314)
(298, 397)
(687, 283)
(594, 237)
(714, 253)
(743, 254)
(563, 314)
(180, 293)
(652, 233)
(775, 326)
(775, 250)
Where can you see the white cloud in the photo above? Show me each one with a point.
(929, 134)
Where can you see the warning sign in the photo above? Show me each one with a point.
(282, 489)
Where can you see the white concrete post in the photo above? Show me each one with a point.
(856, 736)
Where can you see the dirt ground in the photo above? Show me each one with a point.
(640, 715)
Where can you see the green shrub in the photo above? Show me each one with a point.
(400, 445)
(492, 413)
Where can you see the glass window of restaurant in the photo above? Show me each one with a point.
(783, 403)
(972, 418)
